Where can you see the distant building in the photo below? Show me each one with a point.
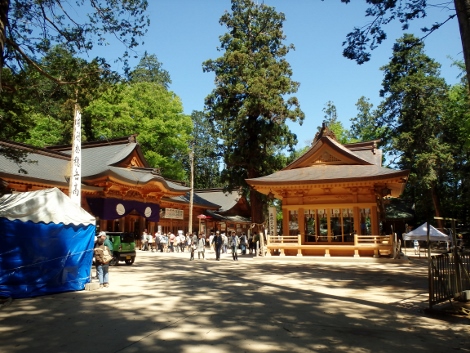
(118, 186)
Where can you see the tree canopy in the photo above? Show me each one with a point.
(362, 40)
(206, 153)
(29, 29)
(412, 118)
(155, 114)
(150, 69)
(251, 101)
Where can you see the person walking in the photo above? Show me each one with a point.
(192, 245)
(171, 239)
(103, 256)
(145, 244)
(151, 242)
(218, 242)
(243, 243)
(225, 243)
(158, 239)
(416, 246)
(211, 238)
(165, 242)
(201, 245)
(234, 245)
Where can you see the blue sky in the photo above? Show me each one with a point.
(184, 33)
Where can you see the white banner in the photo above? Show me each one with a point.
(75, 183)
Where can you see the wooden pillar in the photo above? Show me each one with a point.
(357, 220)
(301, 218)
(328, 224)
(374, 220)
(299, 243)
(285, 221)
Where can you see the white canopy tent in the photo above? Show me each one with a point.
(420, 233)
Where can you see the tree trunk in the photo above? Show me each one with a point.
(462, 9)
(437, 207)
(256, 209)
(4, 7)
(256, 203)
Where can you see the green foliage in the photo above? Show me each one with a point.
(150, 69)
(30, 29)
(362, 40)
(46, 131)
(248, 106)
(206, 154)
(331, 120)
(51, 101)
(363, 124)
(152, 112)
(455, 181)
(411, 119)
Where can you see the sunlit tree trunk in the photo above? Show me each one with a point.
(462, 8)
(4, 6)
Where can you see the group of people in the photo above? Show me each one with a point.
(165, 242)
(220, 243)
(170, 242)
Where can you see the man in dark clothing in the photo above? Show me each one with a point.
(218, 242)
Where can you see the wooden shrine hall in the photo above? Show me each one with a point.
(332, 200)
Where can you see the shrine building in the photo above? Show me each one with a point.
(333, 200)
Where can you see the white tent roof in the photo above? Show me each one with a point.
(420, 233)
(48, 206)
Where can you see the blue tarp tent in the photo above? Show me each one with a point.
(46, 244)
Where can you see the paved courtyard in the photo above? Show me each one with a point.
(165, 303)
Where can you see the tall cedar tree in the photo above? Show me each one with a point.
(362, 40)
(206, 155)
(456, 185)
(412, 118)
(150, 69)
(248, 107)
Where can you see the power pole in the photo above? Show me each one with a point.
(191, 193)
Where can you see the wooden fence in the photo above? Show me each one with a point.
(448, 277)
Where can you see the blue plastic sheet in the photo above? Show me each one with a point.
(38, 259)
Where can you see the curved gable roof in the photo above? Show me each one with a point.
(327, 150)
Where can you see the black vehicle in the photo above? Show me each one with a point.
(123, 247)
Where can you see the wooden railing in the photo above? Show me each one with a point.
(379, 244)
(372, 239)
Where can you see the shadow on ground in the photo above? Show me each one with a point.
(165, 303)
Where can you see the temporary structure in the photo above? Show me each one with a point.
(420, 233)
(46, 244)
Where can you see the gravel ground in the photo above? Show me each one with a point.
(166, 303)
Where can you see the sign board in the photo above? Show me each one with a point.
(272, 221)
(173, 213)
